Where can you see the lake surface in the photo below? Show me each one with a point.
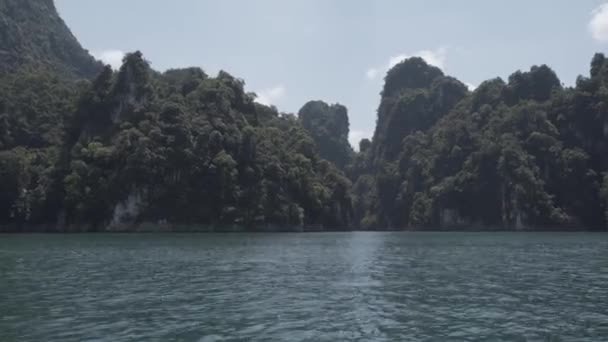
(305, 287)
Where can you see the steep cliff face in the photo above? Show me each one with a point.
(414, 97)
(329, 127)
(33, 35)
(508, 155)
(137, 145)
(184, 148)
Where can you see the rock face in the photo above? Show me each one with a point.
(33, 35)
(415, 96)
(508, 155)
(127, 211)
(329, 127)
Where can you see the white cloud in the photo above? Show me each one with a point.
(372, 73)
(111, 57)
(355, 136)
(271, 96)
(435, 57)
(598, 26)
(471, 86)
(396, 60)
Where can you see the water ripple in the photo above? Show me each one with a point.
(304, 287)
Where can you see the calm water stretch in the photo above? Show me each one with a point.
(305, 287)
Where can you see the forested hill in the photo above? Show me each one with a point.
(328, 126)
(521, 154)
(178, 148)
(32, 35)
(87, 148)
(137, 147)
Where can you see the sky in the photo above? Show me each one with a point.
(338, 51)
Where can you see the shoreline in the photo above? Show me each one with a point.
(151, 228)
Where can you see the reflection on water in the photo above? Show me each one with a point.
(305, 287)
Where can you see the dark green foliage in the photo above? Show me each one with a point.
(415, 96)
(526, 154)
(27, 187)
(33, 106)
(328, 126)
(536, 85)
(178, 147)
(181, 147)
(32, 35)
(413, 73)
(184, 81)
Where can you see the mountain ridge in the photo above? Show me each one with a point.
(33, 35)
(87, 148)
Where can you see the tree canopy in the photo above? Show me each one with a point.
(328, 126)
(87, 148)
(521, 154)
(138, 146)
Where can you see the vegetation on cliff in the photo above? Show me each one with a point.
(33, 36)
(328, 126)
(140, 146)
(526, 153)
(83, 147)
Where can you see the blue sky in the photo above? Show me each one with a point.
(290, 52)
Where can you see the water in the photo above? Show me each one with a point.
(305, 287)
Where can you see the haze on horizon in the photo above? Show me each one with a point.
(338, 51)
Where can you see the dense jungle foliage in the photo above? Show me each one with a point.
(526, 153)
(87, 148)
